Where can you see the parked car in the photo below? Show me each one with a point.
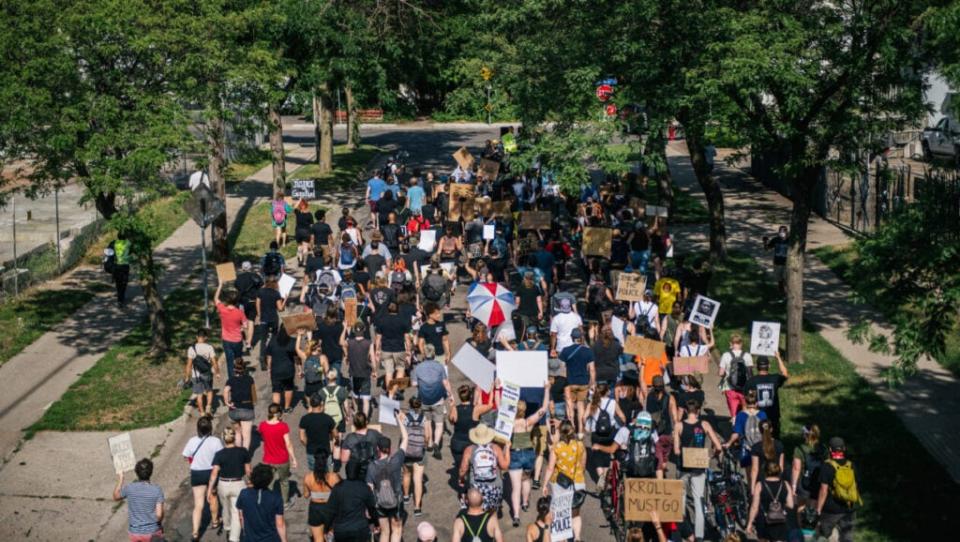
(942, 140)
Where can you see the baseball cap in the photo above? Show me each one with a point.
(554, 367)
(837, 444)
(532, 330)
(576, 334)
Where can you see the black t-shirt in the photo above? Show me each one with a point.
(757, 450)
(417, 255)
(827, 474)
(318, 426)
(281, 358)
(497, 268)
(358, 354)
(429, 211)
(351, 501)
(780, 248)
(247, 285)
(241, 391)
(434, 334)
(321, 233)
(268, 305)
(408, 312)
(381, 297)
(556, 389)
(374, 262)
(606, 360)
(392, 328)
(314, 264)
(385, 207)
(330, 339)
(391, 235)
(768, 392)
(231, 462)
(684, 396)
(304, 220)
(528, 300)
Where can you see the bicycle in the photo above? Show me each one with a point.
(728, 495)
(611, 501)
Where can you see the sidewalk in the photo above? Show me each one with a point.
(53, 479)
(928, 403)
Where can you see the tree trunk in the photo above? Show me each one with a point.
(215, 156)
(277, 158)
(160, 341)
(796, 254)
(316, 128)
(353, 120)
(711, 188)
(106, 204)
(326, 131)
(664, 180)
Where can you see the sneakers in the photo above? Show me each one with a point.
(516, 522)
(417, 512)
(535, 484)
(406, 499)
(437, 454)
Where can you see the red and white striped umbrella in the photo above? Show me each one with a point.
(490, 303)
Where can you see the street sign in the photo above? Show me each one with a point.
(611, 110)
(604, 92)
(204, 206)
(612, 81)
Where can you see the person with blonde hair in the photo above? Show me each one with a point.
(523, 454)
(230, 465)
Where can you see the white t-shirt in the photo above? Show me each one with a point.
(725, 360)
(563, 324)
(692, 351)
(204, 349)
(649, 308)
(202, 453)
(610, 406)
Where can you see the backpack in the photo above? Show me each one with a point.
(661, 418)
(110, 263)
(347, 255)
(279, 211)
(201, 363)
(434, 286)
(331, 403)
(812, 462)
(317, 302)
(312, 371)
(775, 514)
(751, 431)
(363, 453)
(397, 280)
(603, 428)
(271, 264)
(844, 486)
(327, 278)
(483, 464)
(737, 373)
(386, 496)
(642, 462)
(347, 291)
(416, 438)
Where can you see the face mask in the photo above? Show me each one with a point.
(782, 235)
(374, 245)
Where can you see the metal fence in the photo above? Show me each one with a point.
(863, 200)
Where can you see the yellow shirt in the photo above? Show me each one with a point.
(569, 456)
(666, 298)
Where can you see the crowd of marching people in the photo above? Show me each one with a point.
(379, 296)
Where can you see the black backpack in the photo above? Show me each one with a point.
(812, 463)
(642, 459)
(201, 363)
(271, 264)
(603, 428)
(737, 374)
(363, 453)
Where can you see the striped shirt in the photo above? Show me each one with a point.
(142, 499)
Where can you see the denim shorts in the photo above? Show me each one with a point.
(522, 459)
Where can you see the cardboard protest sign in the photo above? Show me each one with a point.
(645, 495)
(387, 408)
(464, 158)
(400, 383)
(561, 528)
(630, 287)
(502, 209)
(121, 449)
(484, 206)
(535, 220)
(285, 284)
(507, 412)
(696, 458)
(294, 322)
(645, 348)
(597, 242)
(461, 202)
(489, 169)
(765, 338)
(526, 369)
(226, 272)
(475, 366)
(704, 311)
(350, 312)
(691, 365)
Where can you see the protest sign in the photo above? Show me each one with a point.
(350, 311)
(292, 323)
(489, 169)
(464, 158)
(507, 412)
(662, 212)
(650, 211)
(643, 347)
(489, 232)
(475, 366)
(428, 240)
(484, 206)
(304, 189)
(691, 365)
(387, 408)
(502, 209)
(704, 311)
(526, 369)
(285, 285)
(535, 220)
(645, 495)
(226, 272)
(597, 242)
(562, 507)
(617, 325)
(630, 286)
(765, 338)
(121, 449)
(696, 458)
(461, 202)
(474, 250)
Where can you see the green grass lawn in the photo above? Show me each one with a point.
(840, 260)
(26, 318)
(125, 389)
(347, 166)
(905, 491)
(245, 164)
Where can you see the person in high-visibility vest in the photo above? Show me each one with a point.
(121, 247)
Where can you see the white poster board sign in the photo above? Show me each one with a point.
(489, 231)
(765, 338)
(121, 448)
(475, 366)
(525, 369)
(387, 408)
(428, 240)
(704, 311)
(562, 507)
(285, 284)
(507, 412)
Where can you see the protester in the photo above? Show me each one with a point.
(201, 368)
(771, 500)
(692, 432)
(768, 387)
(318, 484)
(415, 456)
(523, 455)
(539, 530)
(780, 246)
(839, 495)
(808, 458)
(119, 253)
(385, 478)
(144, 504)
(261, 510)
(280, 209)
(464, 417)
(568, 462)
(269, 305)
(484, 461)
(278, 449)
(283, 366)
(317, 430)
(477, 523)
(240, 396)
(581, 378)
(199, 453)
(230, 466)
(429, 377)
(232, 323)
(362, 361)
(736, 368)
(352, 506)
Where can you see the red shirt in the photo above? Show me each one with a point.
(232, 320)
(274, 448)
(414, 225)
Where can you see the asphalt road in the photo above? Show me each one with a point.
(429, 148)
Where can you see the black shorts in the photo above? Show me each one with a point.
(302, 236)
(281, 385)
(391, 513)
(361, 386)
(318, 514)
(199, 477)
(250, 310)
